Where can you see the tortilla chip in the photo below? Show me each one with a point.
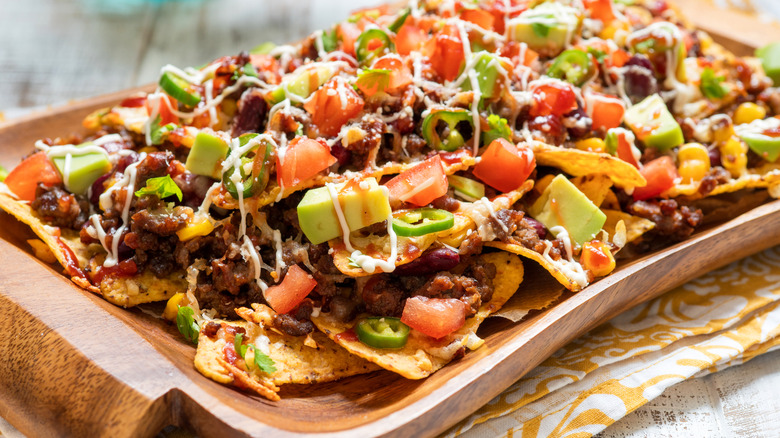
(595, 186)
(409, 248)
(635, 225)
(579, 163)
(537, 292)
(423, 355)
(295, 361)
(554, 270)
(143, 288)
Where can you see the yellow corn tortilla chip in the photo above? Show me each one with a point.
(759, 178)
(579, 163)
(537, 292)
(595, 186)
(409, 248)
(423, 355)
(553, 269)
(635, 225)
(300, 360)
(125, 292)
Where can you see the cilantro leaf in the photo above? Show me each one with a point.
(247, 70)
(162, 187)
(263, 362)
(330, 40)
(711, 86)
(498, 128)
(352, 263)
(185, 322)
(540, 29)
(598, 54)
(238, 345)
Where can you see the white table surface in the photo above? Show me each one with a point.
(52, 51)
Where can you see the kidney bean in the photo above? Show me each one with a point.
(639, 79)
(442, 259)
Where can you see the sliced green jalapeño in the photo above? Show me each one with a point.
(447, 130)
(572, 66)
(367, 49)
(176, 87)
(253, 181)
(423, 221)
(382, 332)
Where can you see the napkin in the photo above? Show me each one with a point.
(718, 320)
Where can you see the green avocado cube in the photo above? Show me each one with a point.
(486, 68)
(563, 204)
(653, 124)
(547, 28)
(770, 60)
(362, 203)
(83, 170)
(206, 155)
(301, 85)
(765, 146)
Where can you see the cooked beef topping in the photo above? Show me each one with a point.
(676, 222)
(296, 323)
(383, 295)
(60, 208)
(251, 113)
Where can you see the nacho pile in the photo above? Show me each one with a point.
(365, 198)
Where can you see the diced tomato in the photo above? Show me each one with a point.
(553, 98)
(600, 10)
(421, 184)
(24, 178)
(618, 58)
(625, 149)
(348, 33)
(481, 18)
(505, 166)
(303, 159)
(435, 317)
(133, 102)
(295, 286)
(606, 111)
(328, 108)
(400, 75)
(268, 65)
(448, 58)
(409, 38)
(164, 111)
(519, 53)
(660, 175)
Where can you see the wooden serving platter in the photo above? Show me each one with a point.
(73, 364)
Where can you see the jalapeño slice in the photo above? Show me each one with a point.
(255, 181)
(446, 130)
(573, 66)
(367, 49)
(176, 87)
(423, 221)
(382, 332)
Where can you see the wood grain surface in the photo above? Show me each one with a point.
(75, 365)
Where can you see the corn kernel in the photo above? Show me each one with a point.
(747, 112)
(694, 162)
(148, 149)
(723, 133)
(597, 258)
(594, 144)
(733, 156)
(172, 307)
(197, 226)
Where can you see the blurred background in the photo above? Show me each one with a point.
(56, 50)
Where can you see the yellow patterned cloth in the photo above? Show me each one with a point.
(723, 318)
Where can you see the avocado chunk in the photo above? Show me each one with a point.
(770, 60)
(206, 155)
(82, 170)
(653, 124)
(363, 203)
(563, 204)
(547, 28)
(487, 70)
(302, 84)
(761, 136)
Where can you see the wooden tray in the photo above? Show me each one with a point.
(72, 364)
